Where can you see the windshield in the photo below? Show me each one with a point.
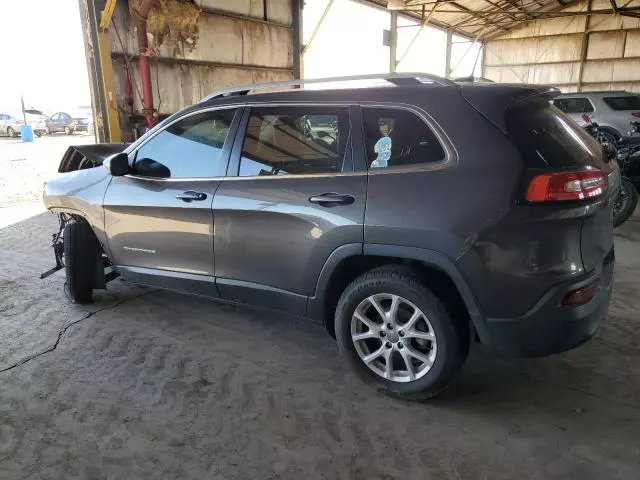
(546, 137)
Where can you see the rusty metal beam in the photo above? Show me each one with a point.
(584, 46)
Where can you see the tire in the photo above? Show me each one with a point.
(11, 132)
(68, 130)
(608, 135)
(81, 257)
(625, 203)
(448, 352)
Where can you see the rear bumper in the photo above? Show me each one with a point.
(549, 327)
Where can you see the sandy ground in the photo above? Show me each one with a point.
(145, 384)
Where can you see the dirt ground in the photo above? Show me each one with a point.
(146, 384)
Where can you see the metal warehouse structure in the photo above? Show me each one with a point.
(149, 58)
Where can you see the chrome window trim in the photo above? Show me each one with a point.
(451, 155)
(134, 151)
(299, 104)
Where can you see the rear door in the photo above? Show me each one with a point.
(292, 198)
(158, 219)
(54, 123)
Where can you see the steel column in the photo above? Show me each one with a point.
(393, 37)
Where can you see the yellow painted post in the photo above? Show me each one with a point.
(109, 88)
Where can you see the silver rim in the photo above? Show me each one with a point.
(393, 337)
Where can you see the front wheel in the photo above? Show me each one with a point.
(397, 336)
(68, 130)
(625, 203)
(81, 259)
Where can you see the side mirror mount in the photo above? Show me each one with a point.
(117, 165)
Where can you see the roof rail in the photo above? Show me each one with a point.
(394, 78)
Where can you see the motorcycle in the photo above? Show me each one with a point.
(627, 152)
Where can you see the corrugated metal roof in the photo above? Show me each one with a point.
(490, 18)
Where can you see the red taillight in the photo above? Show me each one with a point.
(562, 186)
(581, 295)
(19, 122)
(636, 114)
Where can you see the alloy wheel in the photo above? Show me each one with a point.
(393, 337)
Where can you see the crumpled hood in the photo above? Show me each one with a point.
(79, 157)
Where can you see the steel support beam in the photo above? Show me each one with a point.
(296, 38)
(101, 76)
(447, 56)
(318, 25)
(393, 47)
(584, 46)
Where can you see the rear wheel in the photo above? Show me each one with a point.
(625, 203)
(397, 336)
(11, 132)
(81, 258)
(68, 130)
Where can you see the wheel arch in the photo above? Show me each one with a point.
(350, 261)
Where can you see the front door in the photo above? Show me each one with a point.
(158, 219)
(291, 199)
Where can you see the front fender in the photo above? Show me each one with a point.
(80, 193)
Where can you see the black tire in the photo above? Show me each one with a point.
(68, 130)
(625, 203)
(81, 256)
(452, 334)
(11, 132)
(608, 135)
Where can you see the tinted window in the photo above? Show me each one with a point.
(573, 105)
(546, 137)
(398, 138)
(295, 141)
(630, 102)
(190, 148)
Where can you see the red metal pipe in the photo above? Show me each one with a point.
(139, 16)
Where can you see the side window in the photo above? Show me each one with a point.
(189, 148)
(294, 141)
(574, 105)
(54, 116)
(396, 137)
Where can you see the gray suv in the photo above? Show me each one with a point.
(613, 111)
(410, 218)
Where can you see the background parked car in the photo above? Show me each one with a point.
(64, 122)
(612, 110)
(10, 123)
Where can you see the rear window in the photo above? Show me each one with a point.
(546, 137)
(573, 105)
(628, 102)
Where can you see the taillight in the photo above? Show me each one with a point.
(636, 114)
(563, 186)
(19, 122)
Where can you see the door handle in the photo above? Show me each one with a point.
(332, 199)
(190, 196)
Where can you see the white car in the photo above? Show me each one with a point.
(613, 111)
(10, 123)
